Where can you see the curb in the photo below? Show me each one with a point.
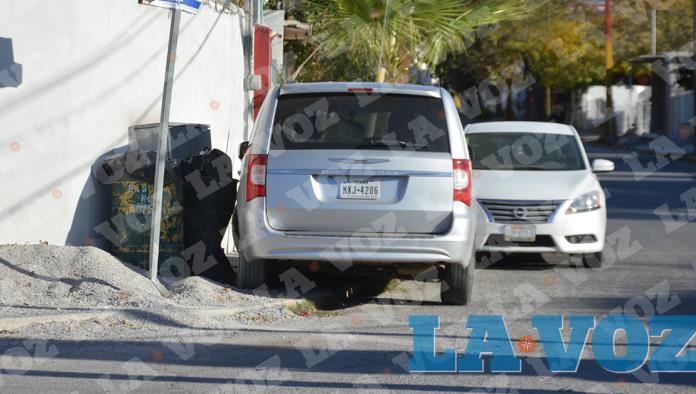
(222, 311)
(13, 323)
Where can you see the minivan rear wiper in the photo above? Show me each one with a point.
(380, 143)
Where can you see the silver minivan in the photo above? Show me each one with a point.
(357, 173)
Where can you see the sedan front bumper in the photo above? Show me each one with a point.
(551, 236)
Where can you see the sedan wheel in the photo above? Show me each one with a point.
(593, 260)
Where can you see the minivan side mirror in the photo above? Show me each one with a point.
(243, 147)
(602, 165)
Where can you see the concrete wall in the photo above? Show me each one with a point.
(90, 69)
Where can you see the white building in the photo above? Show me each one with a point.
(90, 69)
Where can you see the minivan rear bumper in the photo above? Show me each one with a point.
(260, 242)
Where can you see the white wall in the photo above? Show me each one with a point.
(91, 69)
(275, 19)
(631, 107)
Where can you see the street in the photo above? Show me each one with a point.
(313, 196)
(650, 269)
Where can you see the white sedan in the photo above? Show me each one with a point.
(536, 191)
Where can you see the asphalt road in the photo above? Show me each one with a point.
(365, 345)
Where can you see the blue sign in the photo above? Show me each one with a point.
(190, 6)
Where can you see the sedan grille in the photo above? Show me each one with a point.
(518, 211)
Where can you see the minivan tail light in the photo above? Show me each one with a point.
(256, 176)
(462, 180)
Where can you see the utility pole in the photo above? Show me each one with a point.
(610, 132)
(653, 32)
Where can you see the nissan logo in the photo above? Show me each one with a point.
(520, 213)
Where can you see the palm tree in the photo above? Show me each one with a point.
(414, 32)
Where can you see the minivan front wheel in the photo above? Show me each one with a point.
(252, 274)
(457, 285)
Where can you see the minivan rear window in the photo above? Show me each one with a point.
(360, 121)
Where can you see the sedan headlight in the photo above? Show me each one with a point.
(585, 203)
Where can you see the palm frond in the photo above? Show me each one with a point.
(423, 30)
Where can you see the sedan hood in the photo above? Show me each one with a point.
(532, 185)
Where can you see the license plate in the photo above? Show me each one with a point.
(520, 232)
(359, 190)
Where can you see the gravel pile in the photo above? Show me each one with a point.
(49, 278)
(196, 290)
(69, 277)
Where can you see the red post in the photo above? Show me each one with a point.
(262, 63)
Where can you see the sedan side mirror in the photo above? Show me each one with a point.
(602, 165)
(243, 148)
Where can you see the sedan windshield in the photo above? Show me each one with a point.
(524, 152)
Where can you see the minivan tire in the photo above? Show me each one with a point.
(458, 283)
(252, 274)
(593, 260)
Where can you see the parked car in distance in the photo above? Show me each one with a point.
(536, 191)
(357, 173)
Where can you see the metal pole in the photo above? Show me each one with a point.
(653, 32)
(162, 151)
(259, 12)
(609, 64)
(693, 48)
(250, 21)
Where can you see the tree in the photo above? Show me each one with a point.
(416, 31)
(558, 46)
(632, 31)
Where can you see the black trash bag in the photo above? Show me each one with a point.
(210, 194)
(135, 164)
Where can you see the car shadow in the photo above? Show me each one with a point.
(518, 261)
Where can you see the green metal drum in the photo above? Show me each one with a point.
(132, 206)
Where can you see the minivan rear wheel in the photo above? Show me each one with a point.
(252, 274)
(457, 285)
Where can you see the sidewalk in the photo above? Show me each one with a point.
(650, 143)
(18, 317)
